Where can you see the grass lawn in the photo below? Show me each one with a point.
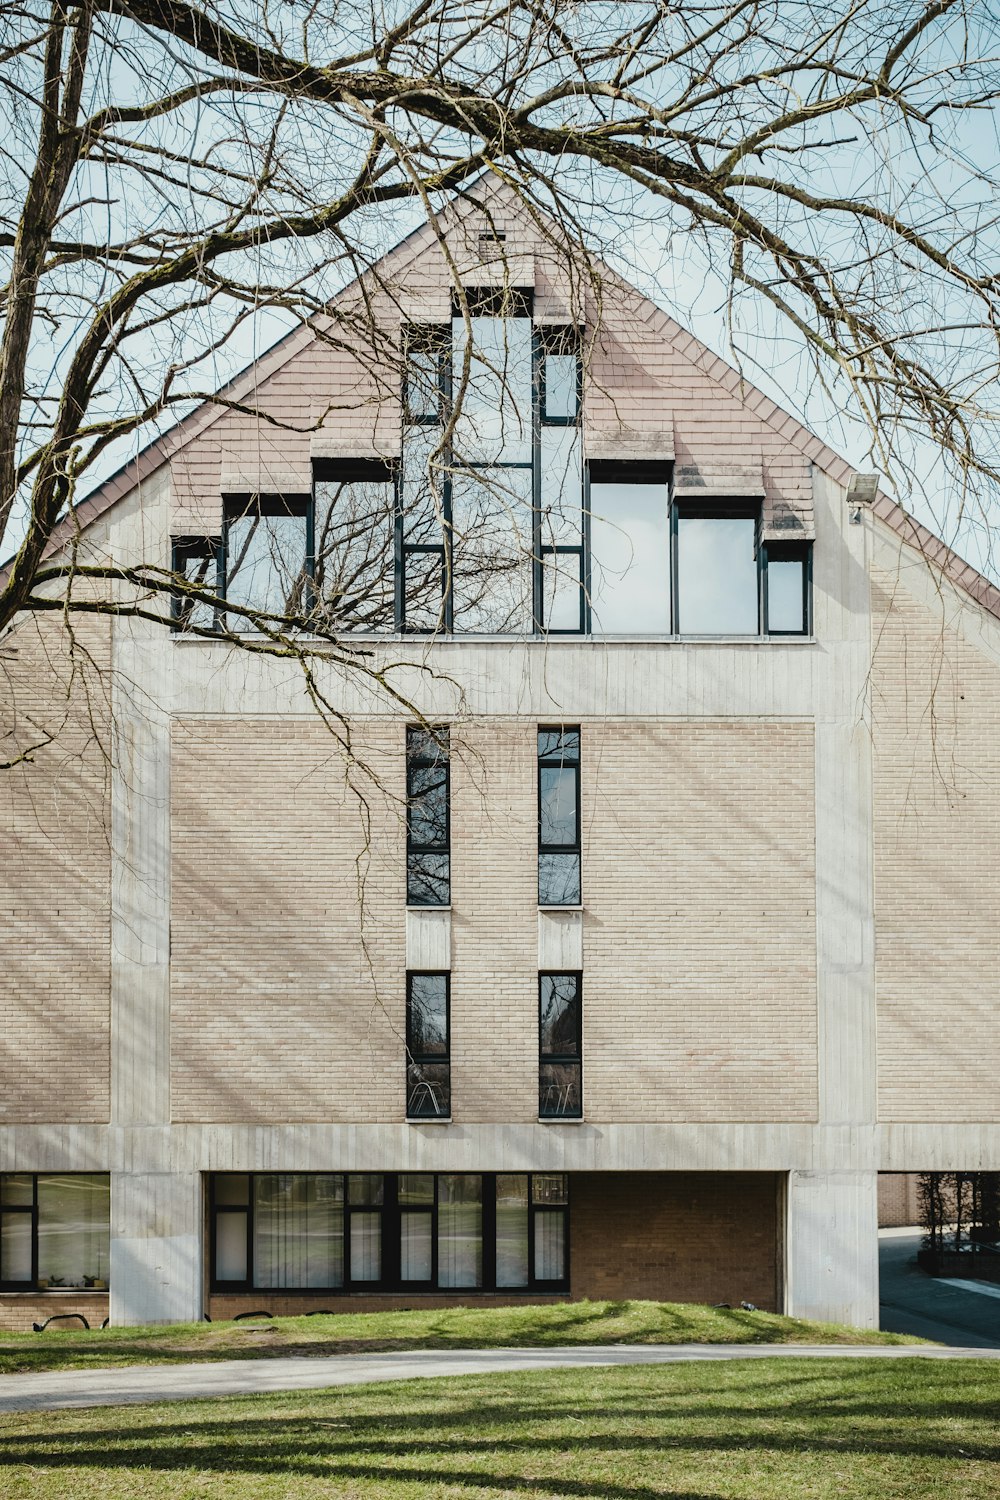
(808, 1429)
(69, 1347)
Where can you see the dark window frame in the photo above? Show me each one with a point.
(391, 1212)
(347, 470)
(558, 339)
(563, 762)
(416, 762)
(188, 548)
(31, 1210)
(781, 551)
(562, 1059)
(237, 504)
(418, 1060)
(428, 338)
(722, 509)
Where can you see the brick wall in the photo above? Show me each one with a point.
(19, 1310)
(55, 893)
(936, 704)
(898, 1199)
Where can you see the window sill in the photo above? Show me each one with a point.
(428, 1120)
(410, 906)
(561, 1120)
(547, 907)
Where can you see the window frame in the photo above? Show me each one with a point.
(789, 551)
(423, 762)
(32, 1210)
(549, 762)
(556, 339)
(724, 509)
(270, 503)
(183, 549)
(413, 1059)
(558, 1058)
(427, 338)
(391, 1214)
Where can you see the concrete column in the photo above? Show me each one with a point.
(831, 1249)
(156, 1248)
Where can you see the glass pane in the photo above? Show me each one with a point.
(427, 744)
(15, 1247)
(492, 550)
(428, 879)
(558, 879)
(416, 1187)
(559, 1014)
(298, 1230)
(265, 565)
(716, 575)
(428, 809)
(199, 567)
(366, 1246)
(559, 1090)
(560, 385)
(17, 1189)
(366, 1187)
(561, 489)
(512, 1230)
(428, 1017)
(549, 1188)
(231, 1247)
(423, 384)
(630, 559)
(460, 1231)
(494, 422)
(74, 1229)
(422, 488)
(558, 744)
(423, 590)
(428, 1090)
(562, 591)
(550, 1246)
(557, 805)
(415, 1246)
(353, 546)
(786, 594)
(232, 1188)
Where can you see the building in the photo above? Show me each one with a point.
(651, 919)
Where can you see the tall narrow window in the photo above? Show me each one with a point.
(716, 568)
(428, 1069)
(267, 556)
(560, 376)
(787, 577)
(560, 1095)
(417, 1248)
(352, 552)
(365, 1198)
(428, 819)
(549, 1215)
(629, 512)
(559, 817)
(198, 561)
(460, 1230)
(426, 381)
(231, 1257)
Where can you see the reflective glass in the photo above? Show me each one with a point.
(266, 564)
(416, 1232)
(423, 384)
(786, 594)
(365, 1187)
(428, 807)
(232, 1188)
(548, 1188)
(492, 550)
(630, 559)
(366, 1246)
(559, 1014)
(353, 552)
(428, 879)
(428, 744)
(559, 1091)
(558, 879)
(716, 575)
(198, 564)
(512, 1229)
(494, 423)
(15, 1247)
(557, 788)
(17, 1189)
(561, 487)
(416, 1188)
(422, 486)
(298, 1230)
(428, 1090)
(428, 1017)
(231, 1247)
(74, 1229)
(424, 582)
(460, 1230)
(561, 744)
(550, 1247)
(562, 591)
(561, 399)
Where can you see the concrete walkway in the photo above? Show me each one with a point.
(933, 1307)
(52, 1390)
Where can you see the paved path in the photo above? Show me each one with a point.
(54, 1389)
(932, 1307)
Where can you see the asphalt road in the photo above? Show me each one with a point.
(929, 1306)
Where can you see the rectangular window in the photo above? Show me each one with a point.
(198, 561)
(55, 1230)
(354, 504)
(426, 382)
(559, 375)
(787, 593)
(559, 817)
(560, 1094)
(629, 513)
(406, 1231)
(267, 547)
(428, 1069)
(428, 817)
(716, 568)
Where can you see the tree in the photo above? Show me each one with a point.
(176, 170)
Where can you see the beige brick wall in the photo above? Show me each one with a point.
(700, 937)
(936, 701)
(278, 1011)
(898, 1199)
(55, 883)
(19, 1310)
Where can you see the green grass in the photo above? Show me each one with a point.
(432, 1328)
(788, 1429)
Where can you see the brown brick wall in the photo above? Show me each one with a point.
(675, 1237)
(936, 702)
(700, 936)
(898, 1199)
(19, 1310)
(55, 983)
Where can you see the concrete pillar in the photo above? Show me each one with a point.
(831, 1249)
(156, 1248)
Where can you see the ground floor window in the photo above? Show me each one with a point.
(55, 1230)
(392, 1231)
